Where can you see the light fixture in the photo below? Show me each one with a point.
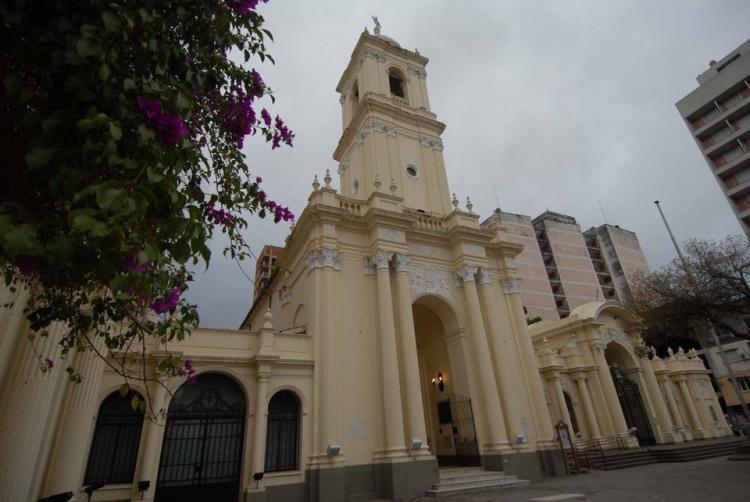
(333, 449)
(520, 438)
(415, 444)
(441, 383)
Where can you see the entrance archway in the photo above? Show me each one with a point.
(201, 455)
(449, 416)
(629, 393)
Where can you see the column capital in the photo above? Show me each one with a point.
(402, 262)
(323, 258)
(381, 259)
(466, 273)
(598, 347)
(511, 285)
(485, 275)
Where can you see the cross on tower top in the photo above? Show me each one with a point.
(377, 24)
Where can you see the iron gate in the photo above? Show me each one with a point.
(202, 452)
(632, 407)
(464, 434)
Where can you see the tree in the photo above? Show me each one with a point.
(712, 286)
(122, 135)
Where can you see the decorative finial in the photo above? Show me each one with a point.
(469, 205)
(377, 25)
(455, 201)
(377, 183)
(393, 187)
(268, 319)
(327, 178)
(315, 183)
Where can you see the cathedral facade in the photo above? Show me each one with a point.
(391, 341)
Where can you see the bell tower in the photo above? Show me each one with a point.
(389, 131)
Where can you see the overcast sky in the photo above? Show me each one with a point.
(559, 104)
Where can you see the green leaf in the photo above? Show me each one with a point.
(115, 131)
(21, 240)
(39, 157)
(104, 71)
(85, 47)
(153, 176)
(135, 402)
(181, 251)
(124, 389)
(146, 133)
(60, 250)
(128, 84)
(109, 198)
(183, 103)
(111, 23)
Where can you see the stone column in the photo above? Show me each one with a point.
(690, 405)
(700, 406)
(502, 341)
(324, 264)
(560, 396)
(409, 360)
(30, 399)
(608, 386)
(13, 326)
(260, 423)
(527, 358)
(153, 440)
(583, 391)
(667, 388)
(498, 440)
(66, 468)
(663, 420)
(392, 406)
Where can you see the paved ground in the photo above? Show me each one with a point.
(715, 479)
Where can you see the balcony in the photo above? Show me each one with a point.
(735, 135)
(739, 189)
(725, 113)
(734, 164)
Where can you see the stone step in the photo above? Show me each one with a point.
(452, 470)
(476, 487)
(467, 481)
(471, 475)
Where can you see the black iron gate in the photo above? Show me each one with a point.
(632, 407)
(202, 451)
(457, 410)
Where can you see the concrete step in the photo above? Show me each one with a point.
(478, 475)
(476, 487)
(463, 482)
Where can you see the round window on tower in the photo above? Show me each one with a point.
(355, 186)
(412, 172)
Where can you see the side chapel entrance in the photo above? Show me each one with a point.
(201, 456)
(449, 415)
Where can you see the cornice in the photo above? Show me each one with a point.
(366, 38)
(372, 103)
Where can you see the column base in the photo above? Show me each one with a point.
(700, 434)
(531, 465)
(389, 478)
(497, 447)
(668, 437)
(255, 495)
(390, 453)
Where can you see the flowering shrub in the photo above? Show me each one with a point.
(122, 131)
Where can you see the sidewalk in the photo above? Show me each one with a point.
(715, 479)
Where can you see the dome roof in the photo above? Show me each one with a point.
(387, 39)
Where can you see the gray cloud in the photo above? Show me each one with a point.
(559, 104)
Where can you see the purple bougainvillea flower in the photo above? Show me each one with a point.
(132, 264)
(266, 117)
(244, 6)
(49, 363)
(169, 128)
(258, 84)
(27, 265)
(282, 133)
(169, 302)
(238, 118)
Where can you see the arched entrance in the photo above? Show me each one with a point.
(449, 415)
(629, 394)
(571, 412)
(201, 455)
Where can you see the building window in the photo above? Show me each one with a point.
(114, 449)
(355, 186)
(412, 172)
(355, 94)
(396, 82)
(282, 436)
(744, 383)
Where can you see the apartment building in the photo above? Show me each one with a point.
(562, 267)
(717, 114)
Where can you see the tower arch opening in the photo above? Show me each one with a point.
(397, 83)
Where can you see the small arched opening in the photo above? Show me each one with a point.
(397, 83)
(117, 435)
(571, 412)
(283, 432)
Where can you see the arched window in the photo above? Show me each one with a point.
(355, 93)
(714, 418)
(282, 436)
(114, 449)
(397, 83)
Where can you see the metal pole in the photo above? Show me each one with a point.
(711, 330)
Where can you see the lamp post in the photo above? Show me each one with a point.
(711, 330)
